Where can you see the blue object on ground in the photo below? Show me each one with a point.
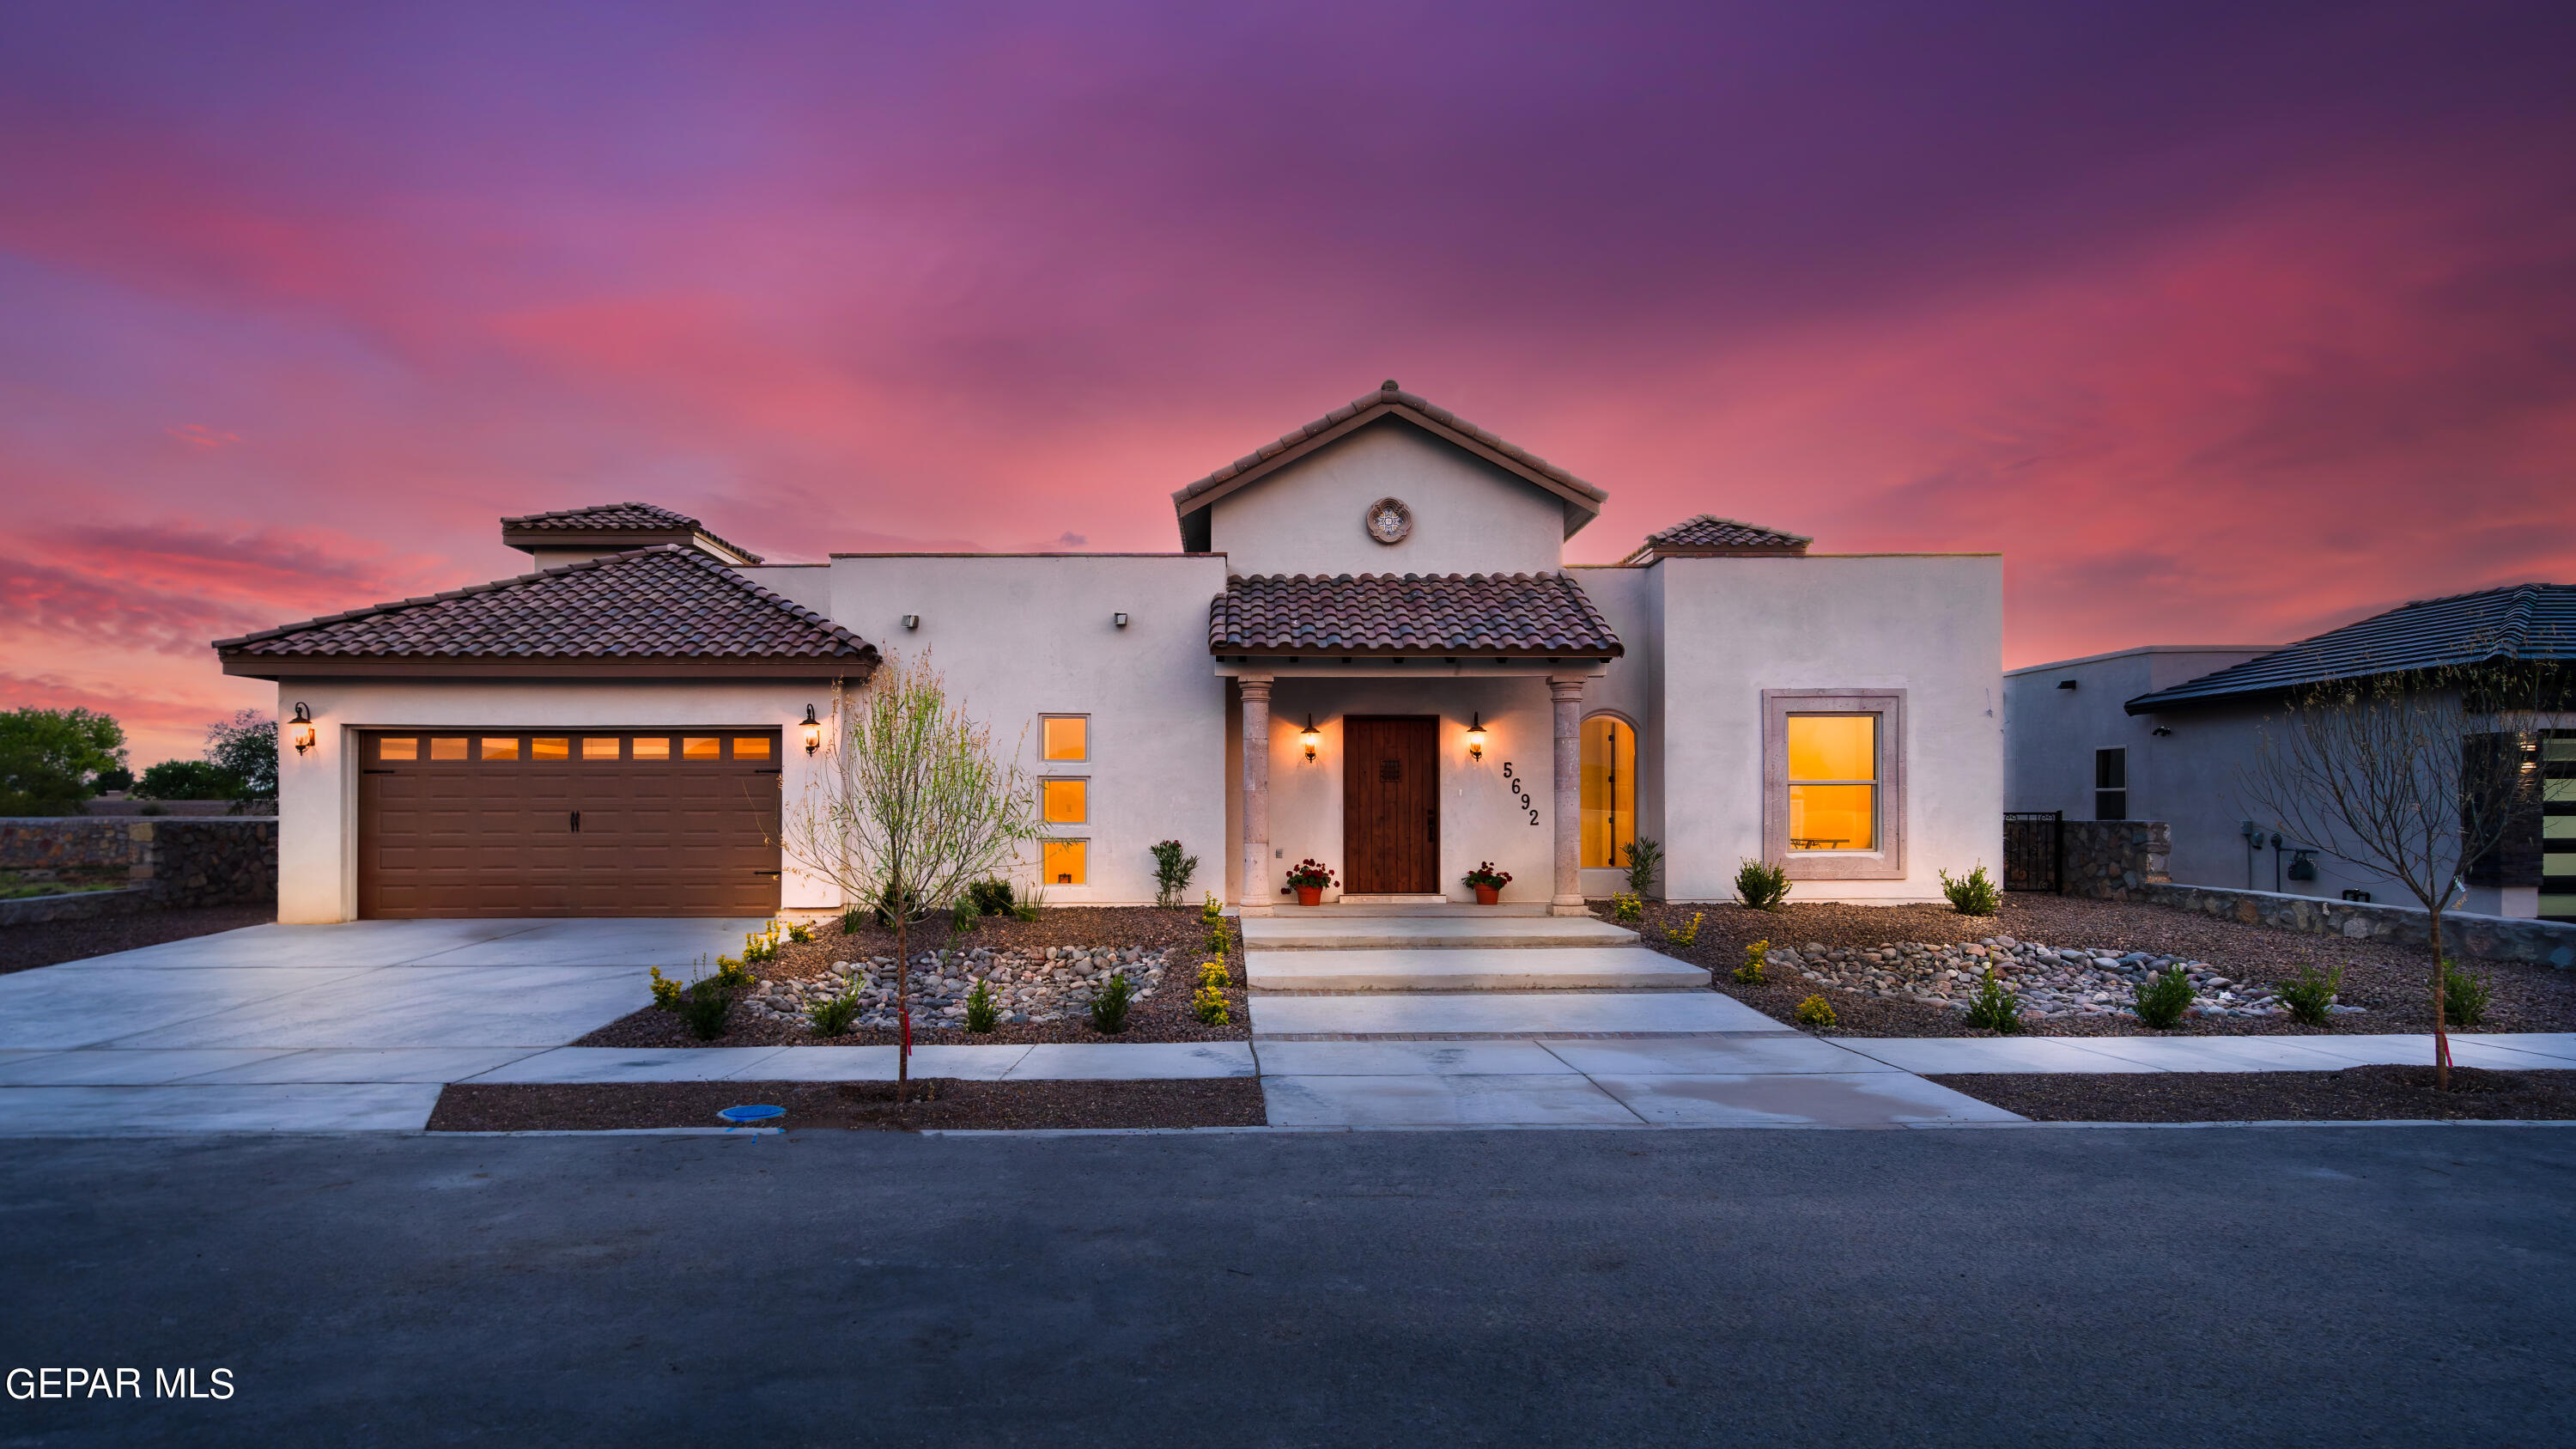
(751, 1117)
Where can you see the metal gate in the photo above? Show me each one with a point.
(2035, 850)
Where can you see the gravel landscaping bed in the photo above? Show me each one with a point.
(47, 943)
(2355, 1094)
(866, 1106)
(2387, 982)
(1043, 974)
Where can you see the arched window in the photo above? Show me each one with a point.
(1609, 790)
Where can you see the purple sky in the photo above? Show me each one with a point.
(2227, 323)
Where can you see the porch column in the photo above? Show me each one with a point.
(1253, 893)
(1567, 693)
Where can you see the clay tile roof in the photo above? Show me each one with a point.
(668, 602)
(1411, 614)
(2523, 622)
(1706, 533)
(640, 523)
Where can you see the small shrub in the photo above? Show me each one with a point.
(1817, 1012)
(1762, 885)
(1109, 1007)
(981, 1013)
(1644, 855)
(1973, 894)
(1209, 1006)
(833, 1015)
(2308, 997)
(1213, 973)
(703, 1003)
(1220, 936)
(989, 897)
(758, 946)
(1625, 906)
(1172, 872)
(1686, 934)
(1994, 1008)
(885, 909)
(2464, 997)
(852, 918)
(1756, 957)
(2163, 998)
(1212, 910)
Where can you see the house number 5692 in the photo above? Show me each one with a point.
(1520, 791)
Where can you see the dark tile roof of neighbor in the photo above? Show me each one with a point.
(646, 521)
(1708, 533)
(664, 602)
(1529, 614)
(2519, 622)
(1388, 394)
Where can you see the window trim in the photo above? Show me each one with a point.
(2106, 754)
(1887, 862)
(1045, 780)
(1084, 758)
(1045, 885)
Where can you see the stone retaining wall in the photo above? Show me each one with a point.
(2114, 860)
(65, 843)
(169, 863)
(2490, 938)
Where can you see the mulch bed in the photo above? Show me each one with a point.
(2355, 1094)
(863, 1106)
(2392, 982)
(1165, 1017)
(47, 943)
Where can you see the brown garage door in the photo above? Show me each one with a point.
(539, 823)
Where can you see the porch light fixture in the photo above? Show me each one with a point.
(813, 731)
(912, 621)
(1476, 736)
(300, 728)
(1118, 619)
(1309, 738)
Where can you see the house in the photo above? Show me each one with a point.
(2166, 733)
(1368, 649)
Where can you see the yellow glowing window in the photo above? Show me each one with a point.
(701, 747)
(398, 749)
(753, 747)
(2558, 749)
(1609, 790)
(1067, 802)
(1065, 862)
(542, 748)
(1066, 736)
(447, 747)
(500, 748)
(595, 747)
(652, 747)
(1833, 782)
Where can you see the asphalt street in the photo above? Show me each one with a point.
(2275, 1286)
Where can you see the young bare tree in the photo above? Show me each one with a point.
(2415, 775)
(911, 805)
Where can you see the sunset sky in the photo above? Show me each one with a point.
(2226, 323)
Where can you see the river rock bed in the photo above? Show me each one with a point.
(1029, 987)
(2052, 982)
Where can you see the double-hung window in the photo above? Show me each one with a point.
(1833, 783)
(2111, 784)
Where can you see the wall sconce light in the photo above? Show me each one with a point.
(2066, 684)
(1476, 736)
(299, 730)
(912, 621)
(813, 731)
(2161, 730)
(1309, 738)
(1118, 619)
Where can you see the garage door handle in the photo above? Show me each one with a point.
(576, 822)
(764, 872)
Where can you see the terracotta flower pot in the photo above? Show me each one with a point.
(1310, 895)
(1488, 895)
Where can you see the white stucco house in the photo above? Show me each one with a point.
(1368, 649)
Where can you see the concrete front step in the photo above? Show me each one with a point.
(1430, 933)
(1480, 968)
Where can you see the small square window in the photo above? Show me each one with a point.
(751, 747)
(652, 747)
(1066, 802)
(701, 747)
(1065, 736)
(598, 747)
(398, 748)
(500, 747)
(542, 748)
(447, 747)
(1066, 862)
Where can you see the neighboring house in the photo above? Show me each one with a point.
(2166, 733)
(1369, 651)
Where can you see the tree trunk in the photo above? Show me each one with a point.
(2441, 1014)
(902, 1001)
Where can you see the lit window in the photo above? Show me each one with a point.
(1065, 736)
(1065, 862)
(595, 747)
(542, 748)
(652, 747)
(1067, 802)
(1609, 790)
(1833, 782)
(751, 747)
(447, 747)
(701, 747)
(398, 749)
(500, 748)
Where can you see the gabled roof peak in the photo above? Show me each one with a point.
(618, 526)
(1705, 535)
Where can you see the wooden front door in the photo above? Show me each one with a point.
(1391, 804)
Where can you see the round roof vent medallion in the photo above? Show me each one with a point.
(1389, 520)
